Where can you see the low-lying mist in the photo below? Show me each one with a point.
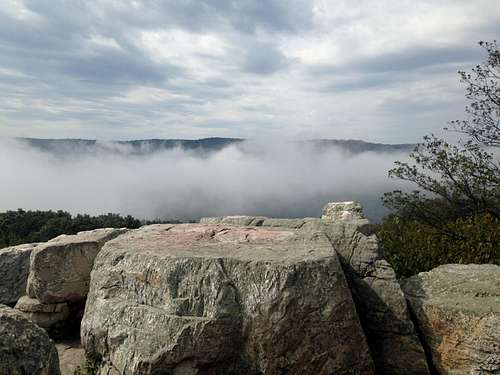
(270, 179)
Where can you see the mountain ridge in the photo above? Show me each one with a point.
(204, 145)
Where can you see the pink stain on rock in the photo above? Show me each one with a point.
(187, 234)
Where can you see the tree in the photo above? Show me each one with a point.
(458, 180)
(457, 185)
(483, 91)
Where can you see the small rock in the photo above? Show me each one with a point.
(47, 320)
(27, 304)
(44, 315)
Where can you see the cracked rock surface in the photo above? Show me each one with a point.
(59, 269)
(218, 299)
(380, 302)
(14, 268)
(457, 309)
(381, 305)
(25, 348)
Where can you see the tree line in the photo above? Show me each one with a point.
(17, 227)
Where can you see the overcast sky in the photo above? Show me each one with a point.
(378, 70)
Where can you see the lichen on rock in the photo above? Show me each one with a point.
(25, 348)
(457, 310)
(213, 299)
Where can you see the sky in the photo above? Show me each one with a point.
(383, 71)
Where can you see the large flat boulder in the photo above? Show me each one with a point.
(24, 347)
(14, 270)
(217, 299)
(380, 302)
(60, 268)
(457, 309)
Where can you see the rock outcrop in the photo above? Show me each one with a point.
(209, 299)
(457, 309)
(245, 295)
(24, 347)
(380, 302)
(60, 268)
(14, 269)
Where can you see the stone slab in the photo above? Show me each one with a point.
(60, 268)
(457, 309)
(14, 270)
(217, 299)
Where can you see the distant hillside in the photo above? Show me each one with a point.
(134, 147)
(356, 146)
(203, 146)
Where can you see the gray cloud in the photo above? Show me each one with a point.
(405, 60)
(417, 57)
(131, 69)
(383, 70)
(265, 59)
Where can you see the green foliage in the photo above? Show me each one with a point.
(483, 92)
(21, 226)
(453, 214)
(412, 247)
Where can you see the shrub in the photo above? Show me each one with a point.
(412, 247)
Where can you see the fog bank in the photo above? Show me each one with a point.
(271, 179)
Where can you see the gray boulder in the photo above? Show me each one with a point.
(24, 347)
(457, 309)
(14, 268)
(60, 268)
(380, 302)
(208, 299)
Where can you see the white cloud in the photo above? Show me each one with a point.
(254, 178)
(248, 69)
(17, 9)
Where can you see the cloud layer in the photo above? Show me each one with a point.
(283, 180)
(382, 71)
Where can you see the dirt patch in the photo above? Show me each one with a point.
(71, 354)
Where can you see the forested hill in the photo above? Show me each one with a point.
(204, 145)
